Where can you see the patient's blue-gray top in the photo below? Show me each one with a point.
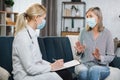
(104, 43)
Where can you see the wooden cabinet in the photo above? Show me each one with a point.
(72, 17)
(7, 23)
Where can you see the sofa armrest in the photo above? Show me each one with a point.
(4, 74)
(114, 74)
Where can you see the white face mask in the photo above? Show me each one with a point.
(41, 25)
(91, 22)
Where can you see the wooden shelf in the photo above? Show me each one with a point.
(73, 2)
(71, 17)
(2, 24)
(8, 12)
(64, 33)
(7, 23)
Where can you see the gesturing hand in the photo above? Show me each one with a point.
(79, 47)
(96, 54)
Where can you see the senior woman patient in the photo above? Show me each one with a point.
(95, 47)
(26, 56)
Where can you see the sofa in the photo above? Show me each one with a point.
(51, 47)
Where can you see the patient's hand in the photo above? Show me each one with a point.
(79, 47)
(96, 54)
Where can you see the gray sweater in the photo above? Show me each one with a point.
(104, 43)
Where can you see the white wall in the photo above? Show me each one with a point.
(21, 5)
(110, 10)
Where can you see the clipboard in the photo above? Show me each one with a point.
(69, 64)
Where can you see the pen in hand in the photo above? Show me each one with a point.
(54, 59)
(57, 64)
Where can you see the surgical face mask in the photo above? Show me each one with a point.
(91, 22)
(41, 25)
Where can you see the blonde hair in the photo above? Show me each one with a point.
(98, 13)
(22, 19)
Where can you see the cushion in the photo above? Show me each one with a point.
(4, 74)
(118, 52)
(114, 74)
(73, 39)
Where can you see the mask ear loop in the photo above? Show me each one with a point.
(35, 18)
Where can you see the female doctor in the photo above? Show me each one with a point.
(27, 58)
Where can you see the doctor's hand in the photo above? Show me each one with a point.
(79, 47)
(57, 64)
(96, 54)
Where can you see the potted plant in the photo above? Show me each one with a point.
(9, 4)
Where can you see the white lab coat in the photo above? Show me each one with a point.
(27, 59)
